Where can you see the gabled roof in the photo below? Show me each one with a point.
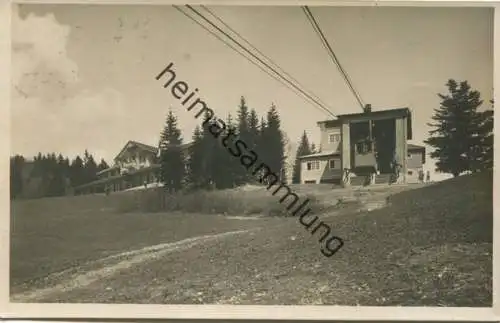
(142, 146)
(145, 147)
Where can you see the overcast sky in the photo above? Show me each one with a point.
(83, 75)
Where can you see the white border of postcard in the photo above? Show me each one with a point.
(102, 311)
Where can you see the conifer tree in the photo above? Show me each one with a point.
(210, 149)
(77, 175)
(273, 152)
(102, 165)
(197, 176)
(303, 150)
(55, 185)
(64, 168)
(484, 155)
(230, 170)
(260, 142)
(244, 134)
(253, 129)
(90, 167)
(172, 163)
(457, 135)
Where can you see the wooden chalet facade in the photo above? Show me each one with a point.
(136, 165)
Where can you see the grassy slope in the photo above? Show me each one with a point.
(431, 246)
(51, 235)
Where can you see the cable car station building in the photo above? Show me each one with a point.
(365, 148)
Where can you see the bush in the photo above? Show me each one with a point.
(227, 202)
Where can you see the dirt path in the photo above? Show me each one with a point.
(109, 266)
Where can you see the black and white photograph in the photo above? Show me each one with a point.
(251, 155)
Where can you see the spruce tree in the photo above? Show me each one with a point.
(245, 135)
(260, 144)
(230, 169)
(90, 167)
(64, 164)
(303, 150)
(56, 182)
(197, 176)
(172, 163)
(253, 129)
(485, 124)
(209, 148)
(456, 136)
(102, 165)
(77, 172)
(273, 142)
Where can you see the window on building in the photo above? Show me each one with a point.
(409, 156)
(334, 138)
(410, 172)
(142, 159)
(313, 165)
(364, 147)
(331, 163)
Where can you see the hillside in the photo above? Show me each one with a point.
(430, 245)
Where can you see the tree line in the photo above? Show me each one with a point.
(461, 135)
(50, 174)
(207, 163)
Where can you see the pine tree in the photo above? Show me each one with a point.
(253, 129)
(64, 166)
(456, 136)
(303, 150)
(313, 148)
(485, 124)
(172, 163)
(244, 134)
(90, 167)
(261, 140)
(55, 178)
(197, 176)
(102, 165)
(77, 172)
(230, 170)
(273, 152)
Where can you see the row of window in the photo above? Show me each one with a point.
(332, 138)
(314, 164)
(142, 159)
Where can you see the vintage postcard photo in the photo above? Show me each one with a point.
(251, 155)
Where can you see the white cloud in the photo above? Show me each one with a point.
(39, 45)
(51, 110)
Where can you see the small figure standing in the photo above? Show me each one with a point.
(421, 176)
(428, 177)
